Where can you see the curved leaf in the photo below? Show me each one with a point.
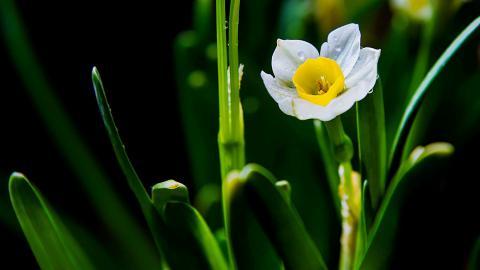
(183, 219)
(277, 217)
(245, 231)
(415, 100)
(133, 180)
(372, 142)
(381, 234)
(186, 240)
(50, 241)
(125, 231)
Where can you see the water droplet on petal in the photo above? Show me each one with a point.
(301, 55)
(338, 49)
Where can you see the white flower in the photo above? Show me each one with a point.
(309, 85)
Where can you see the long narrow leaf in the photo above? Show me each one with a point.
(278, 218)
(131, 175)
(372, 141)
(182, 218)
(134, 181)
(186, 241)
(382, 232)
(51, 243)
(416, 99)
(245, 231)
(126, 232)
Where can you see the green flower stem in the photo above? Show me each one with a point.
(330, 165)
(230, 138)
(234, 85)
(343, 153)
(347, 174)
(231, 142)
(342, 145)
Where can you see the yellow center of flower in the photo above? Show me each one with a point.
(319, 80)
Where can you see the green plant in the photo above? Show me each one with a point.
(376, 157)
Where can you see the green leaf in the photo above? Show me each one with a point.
(474, 258)
(362, 236)
(50, 241)
(127, 234)
(331, 166)
(185, 239)
(7, 216)
(372, 142)
(134, 181)
(277, 217)
(245, 232)
(415, 100)
(382, 232)
(183, 219)
(131, 175)
(167, 191)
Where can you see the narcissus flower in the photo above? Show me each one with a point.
(312, 85)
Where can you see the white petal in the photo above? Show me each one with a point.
(304, 109)
(291, 104)
(343, 46)
(363, 76)
(288, 55)
(277, 89)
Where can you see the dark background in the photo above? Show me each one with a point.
(132, 46)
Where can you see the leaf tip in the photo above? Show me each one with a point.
(15, 179)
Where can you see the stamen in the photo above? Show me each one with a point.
(322, 86)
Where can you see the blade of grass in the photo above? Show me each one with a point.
(125, 230)
(51, 243)
(131, 175)
(381, 234)
(415, 100)
(372, 142)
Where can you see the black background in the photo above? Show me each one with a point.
(131, 44)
